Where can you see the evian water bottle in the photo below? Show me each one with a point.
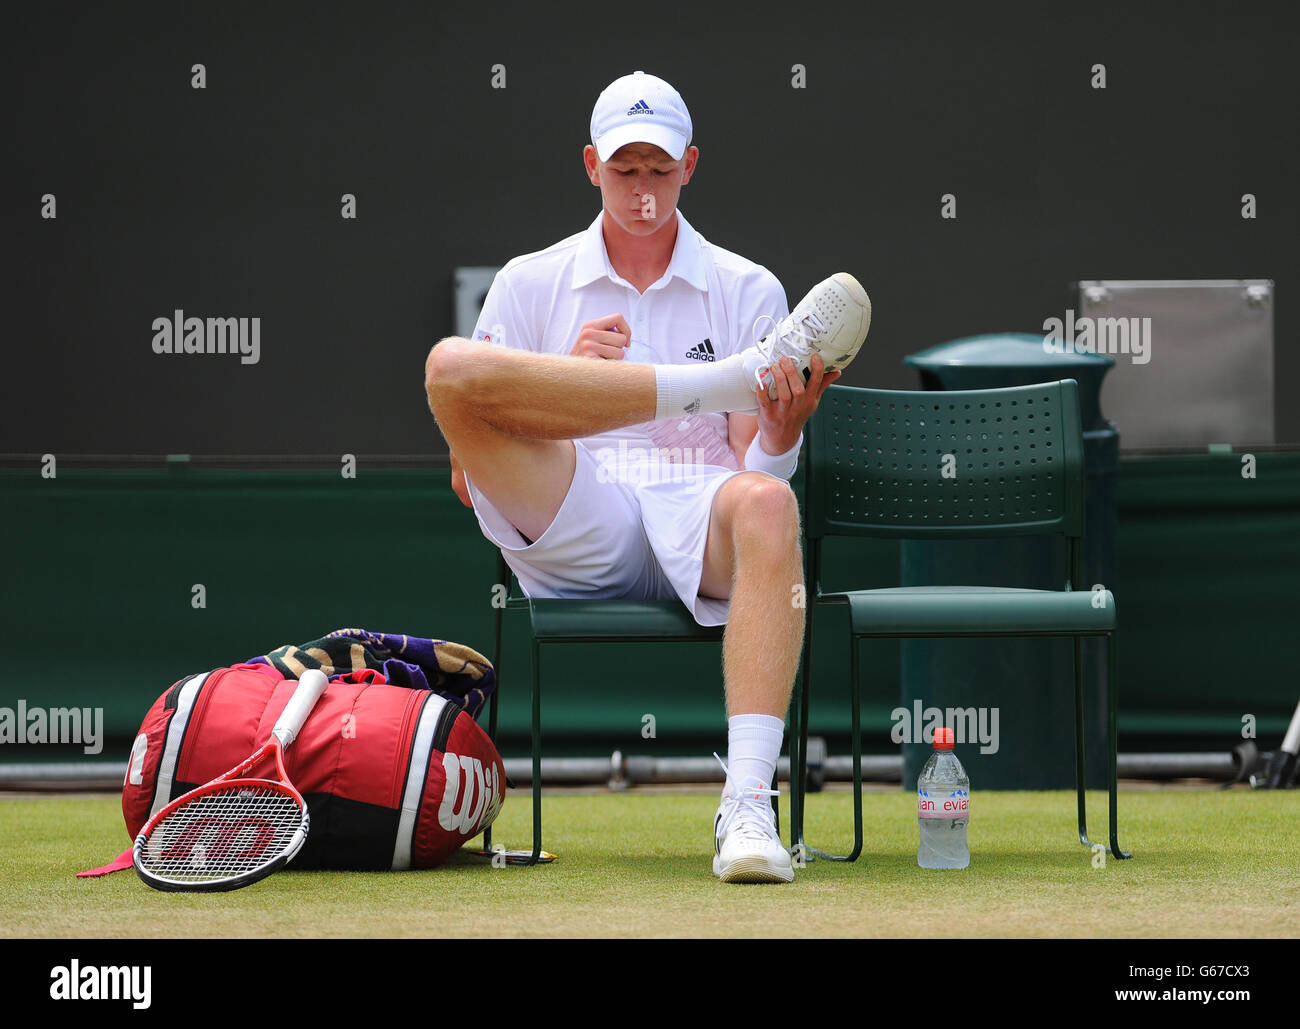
(943, 807)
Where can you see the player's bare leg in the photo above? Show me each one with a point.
(753, 557)
(509, 418)
(539, 396)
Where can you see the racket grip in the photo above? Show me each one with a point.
(310, 687)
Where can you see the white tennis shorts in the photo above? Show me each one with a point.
(611, 539)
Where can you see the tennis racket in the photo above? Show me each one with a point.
(232, 831)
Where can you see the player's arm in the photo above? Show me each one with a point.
(741, 430)
(778, 426)
(781, 421)
(776, 431)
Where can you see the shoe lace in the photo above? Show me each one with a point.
(798, 338)
(745, 811)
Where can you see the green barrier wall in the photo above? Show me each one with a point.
(100, 567)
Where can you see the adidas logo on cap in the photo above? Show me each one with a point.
(640, 108)
(701, 352)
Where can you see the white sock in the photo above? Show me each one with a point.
(704, 388)
(753, 745)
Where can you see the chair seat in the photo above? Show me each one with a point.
(593, 620)
(949, 610)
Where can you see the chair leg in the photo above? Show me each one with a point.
(855, 693)
(1080, 779)
(799, 740)
(537, 753)
(1112, 770)
(856, 724)
(496, 692)
(492, 735)
(1112, 688)
(792, 731)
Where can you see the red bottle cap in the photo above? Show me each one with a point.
(943, 739)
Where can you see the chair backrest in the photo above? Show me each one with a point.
(959, 464)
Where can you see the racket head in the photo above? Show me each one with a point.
(222, 836)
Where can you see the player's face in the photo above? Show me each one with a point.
(640, 184)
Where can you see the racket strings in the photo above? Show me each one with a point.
(227, 832)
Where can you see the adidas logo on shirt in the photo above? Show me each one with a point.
(640, 107)
(702, 352)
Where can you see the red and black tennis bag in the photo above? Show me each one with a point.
(394, 778)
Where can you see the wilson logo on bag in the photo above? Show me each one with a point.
(471, 795)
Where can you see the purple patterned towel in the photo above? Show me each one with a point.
(451, 670)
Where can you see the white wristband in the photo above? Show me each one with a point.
(782, 465)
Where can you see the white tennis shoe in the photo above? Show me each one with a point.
(746, 844)
(832, 320)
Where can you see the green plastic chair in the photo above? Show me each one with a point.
(874, 467)
(581, 621)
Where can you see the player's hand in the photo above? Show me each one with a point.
(604, 338)
(458, 482)
(781, 420)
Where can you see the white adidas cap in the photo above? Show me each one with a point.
(640, 108)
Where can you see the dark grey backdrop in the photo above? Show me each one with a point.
(225, 201)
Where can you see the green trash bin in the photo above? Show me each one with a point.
(1021, 690)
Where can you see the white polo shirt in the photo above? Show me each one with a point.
(704, 308)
